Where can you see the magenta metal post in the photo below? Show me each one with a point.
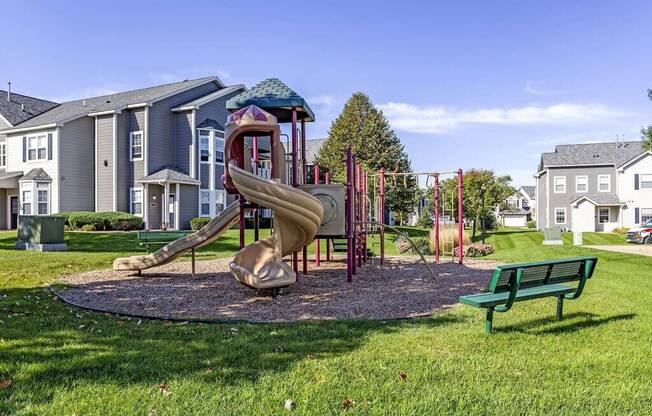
(256, 211)
(295, 182)
(304, 175)
(381, 215)
(327, 179)
(460, 217)
(436, 218)
(364, 217)
(349, 216)
(317, 253)
(242, 221)
(354, 209)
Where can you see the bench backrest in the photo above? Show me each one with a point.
(161, 235)
(542, 273)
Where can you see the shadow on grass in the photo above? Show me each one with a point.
(572, 322)
(49, 345)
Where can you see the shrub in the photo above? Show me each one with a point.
(475, 250)
(402, 244)
(425, 219)
(622, 230)
(88, 227)
(532, 224)
(198, 223)
(103, 221)
(66, 227)
(423, 246)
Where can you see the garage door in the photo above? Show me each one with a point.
(514, 221)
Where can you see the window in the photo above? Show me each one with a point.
(136, 145)
(646, 179)
(136, 201)
(37, 147)
(604, 183)
(42, 199)
(560, 215)
(581, 183)
(219, 150)
(560, 184)
(205, 203)
(646, 215)
(204, 140)
(219, 202)
(603, 215)
(26, 201)
(3, 155)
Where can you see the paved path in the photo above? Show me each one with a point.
(642, 249)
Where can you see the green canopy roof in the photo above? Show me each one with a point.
(274, 96)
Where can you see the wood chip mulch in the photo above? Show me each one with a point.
(402, 288)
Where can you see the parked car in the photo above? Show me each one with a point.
(641, 235)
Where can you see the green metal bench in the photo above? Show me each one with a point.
(150, 238)
(520, 282)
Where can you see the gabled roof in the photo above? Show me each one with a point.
(312, 147)
(599, 198)
(529, 190)
(195, 104)
(72, 110)
(36, 174)
(19, 108)
(209, 123)
(274, 96)
(169, 175)
(607, 153)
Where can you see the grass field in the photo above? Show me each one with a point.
(64, 361)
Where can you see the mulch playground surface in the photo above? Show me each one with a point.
(402, 288)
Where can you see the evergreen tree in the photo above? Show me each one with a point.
(365, 129)
(646, 132)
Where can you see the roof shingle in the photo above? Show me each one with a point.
(19, 108)
(274, 96)
(607, 153)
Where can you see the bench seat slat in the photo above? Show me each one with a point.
(485, 300)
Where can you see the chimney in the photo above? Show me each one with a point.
(9, 92)
(84, 103)
(22, 107)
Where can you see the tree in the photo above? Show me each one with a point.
(646, 132)
(365, 129)
(479, 185)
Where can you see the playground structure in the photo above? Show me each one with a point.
(302, 212)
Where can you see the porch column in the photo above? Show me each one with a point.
(166, 205)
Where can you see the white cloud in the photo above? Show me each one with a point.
(441, 119)
(529, 89)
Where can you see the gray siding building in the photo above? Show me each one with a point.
(156, 152)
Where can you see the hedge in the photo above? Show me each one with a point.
(102, 221)
(198, 223)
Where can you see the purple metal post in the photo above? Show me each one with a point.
(327, 180)
(364, 217)
(304, 252)
(242, 222)
(317, 253)
(256, 211)
(460, 216)
(349, 216)
(436, 219)
(381, 214)
(354, 209)
(295, 182)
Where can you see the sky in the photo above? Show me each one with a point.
(465, 84)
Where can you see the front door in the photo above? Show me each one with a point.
(171, 212)
(14, 207)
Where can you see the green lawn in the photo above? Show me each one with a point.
(64, 361)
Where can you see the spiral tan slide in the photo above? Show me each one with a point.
(207, 234)
(297, 218)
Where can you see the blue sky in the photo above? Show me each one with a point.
(465, 84)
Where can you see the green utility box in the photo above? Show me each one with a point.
(41, 233)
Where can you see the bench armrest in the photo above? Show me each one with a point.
(587, 272)
(514, 285)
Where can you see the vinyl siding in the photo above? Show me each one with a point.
(215, 109)
(3, 139)
(183, 140)
(188, 205)
(125, 174)
(161, 146)
(634, 198)
(104, 139)
(77, 165)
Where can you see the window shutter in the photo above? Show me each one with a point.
(24, 149)
(636, 182)
(49, 146)
(637, 215)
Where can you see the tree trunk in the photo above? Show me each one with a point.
(475, 220)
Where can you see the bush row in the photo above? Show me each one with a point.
(101, 221)
(475, 250)
(199, 222)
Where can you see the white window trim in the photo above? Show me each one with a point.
(641, 215)
(608, 183)
(600, 209)
(565, 218)
(131, 145)
(640, 182)
(209, 203)
(27, 148)
(29, 186)
(586, 183)
(37, 202)
(143, 205)
(554, 184)
(3, 154)
(209, 137)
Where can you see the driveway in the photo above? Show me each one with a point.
(641, 249)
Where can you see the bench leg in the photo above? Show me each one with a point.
(489, 321)
(193, 262)
(560, 307)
